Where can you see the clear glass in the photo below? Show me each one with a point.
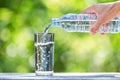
(44, 53)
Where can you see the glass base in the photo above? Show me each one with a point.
(44, 73)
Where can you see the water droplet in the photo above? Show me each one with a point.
(45, 47)
(48, 56)
(43, 55)
(48, 51)
(46, 62)
(43, 58)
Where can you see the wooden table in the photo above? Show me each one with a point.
(61, 76)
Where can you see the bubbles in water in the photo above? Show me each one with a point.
(40, 68)
(46, 62)
(44, 57)
(48, 51)
(48, 56)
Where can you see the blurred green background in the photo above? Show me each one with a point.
(74, 52)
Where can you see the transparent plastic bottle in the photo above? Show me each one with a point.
(82, 23)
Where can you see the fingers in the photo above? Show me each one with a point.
(105, 28)
(105, 18)
(105, 13)
(99, 24)
(93, 30)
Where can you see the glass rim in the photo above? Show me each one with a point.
(42, 33)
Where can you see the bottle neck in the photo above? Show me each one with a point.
(56, 22)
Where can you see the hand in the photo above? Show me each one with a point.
(105, 12)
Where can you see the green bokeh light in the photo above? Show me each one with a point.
(74, 52)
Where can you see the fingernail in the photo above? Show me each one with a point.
(102, 33)
(92, 33)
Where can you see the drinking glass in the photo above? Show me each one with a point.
(44, 53)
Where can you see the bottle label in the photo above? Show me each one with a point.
(83, 22)
(119, 24)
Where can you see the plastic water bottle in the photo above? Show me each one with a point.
(83, 22)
